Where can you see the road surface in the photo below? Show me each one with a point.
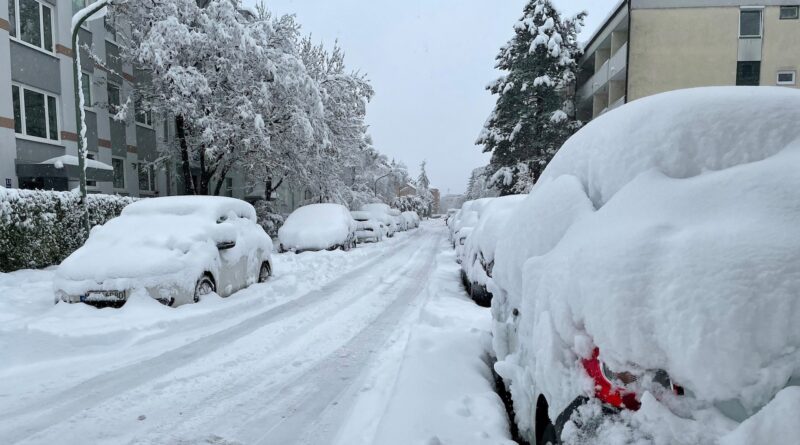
(281, 374)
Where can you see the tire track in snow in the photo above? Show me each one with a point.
(41, 414)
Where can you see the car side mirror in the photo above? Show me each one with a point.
(225, 245)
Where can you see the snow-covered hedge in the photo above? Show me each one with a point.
(41, 228)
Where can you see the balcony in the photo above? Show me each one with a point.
(612, 69)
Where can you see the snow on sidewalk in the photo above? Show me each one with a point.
(432, 384)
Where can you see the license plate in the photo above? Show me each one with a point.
(109, 295)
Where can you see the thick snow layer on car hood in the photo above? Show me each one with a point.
(137, 250)
(211, 207)
(681, 133)
(316, 226)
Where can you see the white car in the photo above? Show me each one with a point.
(318, 227)
(477, 253)
(467, 216)
(382, 213)
(173, 249)
(654, 271)
(402, 226)
(411, 218)
(369, 228)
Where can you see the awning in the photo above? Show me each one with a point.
(65, 166)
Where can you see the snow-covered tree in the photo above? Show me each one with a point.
(533, 114)
(423, 185)
(479, 185)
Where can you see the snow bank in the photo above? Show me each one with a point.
(317, 227)
(688, 263)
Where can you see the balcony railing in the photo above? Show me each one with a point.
(611, 69)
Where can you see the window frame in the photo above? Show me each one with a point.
(150, 171)
(113, 111)
(752, 9)
(114, 178)
(91, 183)
(148, 115)
(23, 118)
(785, 83)
(757, 71)
(88, 104)
(15, 33)
(795, 8)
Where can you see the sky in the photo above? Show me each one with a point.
(429, 62)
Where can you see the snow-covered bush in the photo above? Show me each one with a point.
(41, 228)
(269, 219)
(664, 233)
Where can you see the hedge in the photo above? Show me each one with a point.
(41, 228)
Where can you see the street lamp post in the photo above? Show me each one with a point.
(80, 117)
(375, 185)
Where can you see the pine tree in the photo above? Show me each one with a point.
(423, 190)
(531, 119)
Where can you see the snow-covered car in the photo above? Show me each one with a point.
(382, 213)
(399, 221)
(479, 247)
(411, 218)
(653, 271)
(318, 227)
(369, 229)
(467, 216)
(173, 249)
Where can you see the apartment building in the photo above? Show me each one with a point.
(645, 47)
(38, 136)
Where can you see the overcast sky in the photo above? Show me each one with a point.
(429, 61)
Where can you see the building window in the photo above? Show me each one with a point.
(748, 73)
(229, 187)
(143, 116)
(790, 12)
(86, 86)
(119, 173)
(147, 177)
(31, 22)
(35, 113)
(166, 128)
(113, 98)
(89, 182)
(786, 77)
(111, 28)
(750, 23)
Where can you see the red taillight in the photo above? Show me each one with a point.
(605, 390)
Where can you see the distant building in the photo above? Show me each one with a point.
(451, 202)
(407, 190)
(647, 47)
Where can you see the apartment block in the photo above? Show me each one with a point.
(38, 135)
(645, 47)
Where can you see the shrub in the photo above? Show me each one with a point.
(41, 228)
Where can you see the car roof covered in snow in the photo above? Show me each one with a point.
(317, 226)
(212, 207)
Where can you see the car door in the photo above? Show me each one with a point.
(233, 257)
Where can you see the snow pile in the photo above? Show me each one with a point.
(689, 263)
(166, 245)
(60, 161)
(317, 227)
(432, 383)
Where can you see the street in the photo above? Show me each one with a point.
(274, 369)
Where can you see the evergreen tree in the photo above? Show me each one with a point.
(423, 190)
(532, 117)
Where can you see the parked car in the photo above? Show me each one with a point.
(368, 229)
(381, 213)
(318, 227)
(479, 247)
(411, 218)
(654, 266)
(402, 226)
(173, 249)
(467, 216)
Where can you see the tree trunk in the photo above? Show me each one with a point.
(180, 130)
(222, 180)
(203, 173)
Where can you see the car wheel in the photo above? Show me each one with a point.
(264, 272)
(549, 436)
(204, 287)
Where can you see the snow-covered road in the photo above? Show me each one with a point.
(320, 354)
